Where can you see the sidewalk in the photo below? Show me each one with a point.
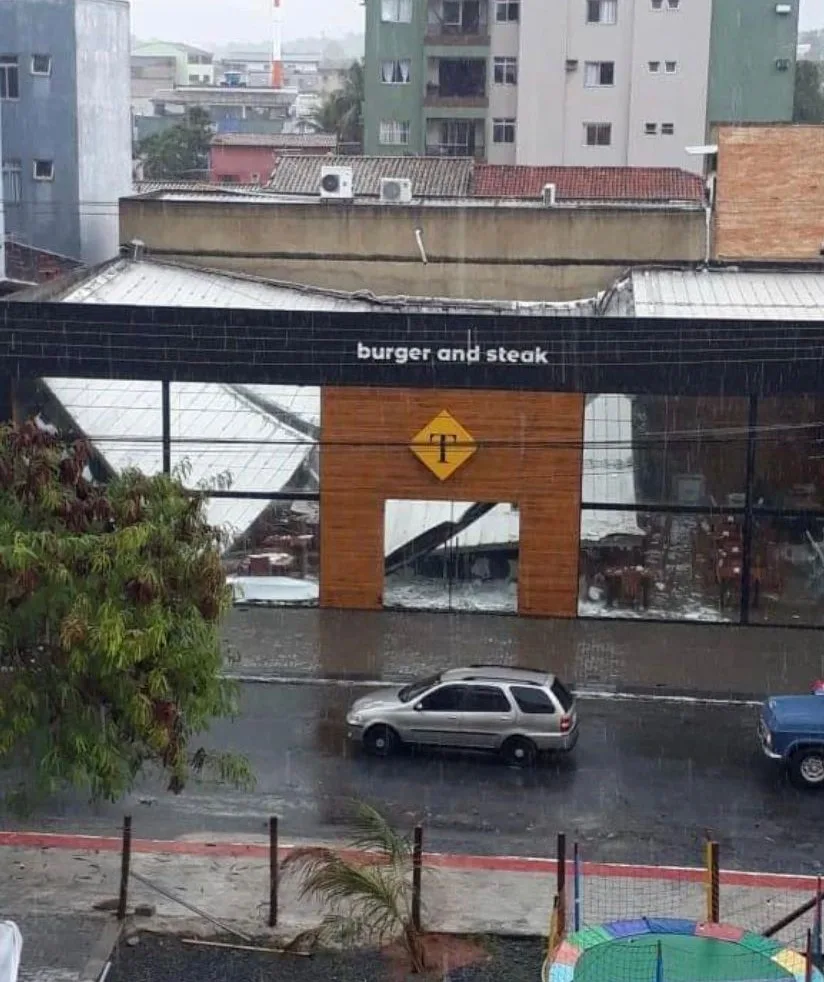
(628, 656)
(65, 876)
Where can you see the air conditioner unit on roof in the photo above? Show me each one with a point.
(336, 182)
(396, 190)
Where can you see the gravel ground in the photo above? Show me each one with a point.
(157, 959)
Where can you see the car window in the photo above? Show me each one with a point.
(532, 701)
(485, 699)
(415, 689)
(447, 699)
(563, 695)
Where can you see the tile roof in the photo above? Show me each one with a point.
(285, 141)
(441, 177)
(588, 183)
(198, 187)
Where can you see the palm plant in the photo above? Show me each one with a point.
(341, 112)
(368, 898)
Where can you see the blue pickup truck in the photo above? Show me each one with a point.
(791, 730)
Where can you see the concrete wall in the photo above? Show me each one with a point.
(104, 138)
(42, 124)
(500, 252)
(745, 85)
(769, 192)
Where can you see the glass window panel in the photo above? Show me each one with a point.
(246, 437)
(451, 555)
(789, 458)
(271, 549)
(787, 570)
(651, 565)
(121, 418)
(665, 450)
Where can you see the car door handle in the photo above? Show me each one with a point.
(452, 719)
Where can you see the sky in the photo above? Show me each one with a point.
(214, 23)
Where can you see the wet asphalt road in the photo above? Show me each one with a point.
(647, 781)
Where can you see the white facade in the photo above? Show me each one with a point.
(104, 138)
(627, 89)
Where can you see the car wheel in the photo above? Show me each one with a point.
(380, 741)
(519, 752)
(807, 768)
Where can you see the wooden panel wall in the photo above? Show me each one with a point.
(535, 461)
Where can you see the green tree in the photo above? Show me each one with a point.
(341, 112)
(110, 600)
(179, 153)
(808, 104)
(369, 898)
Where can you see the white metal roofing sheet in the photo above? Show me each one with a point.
(728, 293)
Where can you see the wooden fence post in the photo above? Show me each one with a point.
(125, 866)
(273, 871)
(713, 883)
(417, 870)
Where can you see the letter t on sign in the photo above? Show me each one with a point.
(442, 440)
(443, 445)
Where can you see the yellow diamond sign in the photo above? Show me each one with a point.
(443, 445)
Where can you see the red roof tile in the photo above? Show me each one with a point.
(588, 183)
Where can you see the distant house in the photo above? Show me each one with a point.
(250, 158)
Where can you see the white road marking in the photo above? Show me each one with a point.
(584, 693)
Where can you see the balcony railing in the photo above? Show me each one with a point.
(455, 150)
(438, 98)
(457, 34)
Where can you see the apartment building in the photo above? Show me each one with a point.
(65, 116)
(573, 82)
(193, 66)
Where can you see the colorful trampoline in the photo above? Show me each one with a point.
(671, 950)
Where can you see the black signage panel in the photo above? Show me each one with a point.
(575, 354)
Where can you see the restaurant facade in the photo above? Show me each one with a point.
(654, 469)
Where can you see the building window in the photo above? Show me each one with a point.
(394, 132)
(12, 181)
(396, 11)
(657, 4)
(194, 79)
(43, 170)
(673, 4)
(597, 134)
(650, 129)
(503, 130)
(507, 11)
(598, 73)
(505, 71)
(670, 67)
(667, 129)
(602, 11)
(396, 72)
(41, 65)
(9, 77)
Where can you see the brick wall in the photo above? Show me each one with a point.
(770, 192)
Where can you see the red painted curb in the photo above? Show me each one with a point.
(445, 861)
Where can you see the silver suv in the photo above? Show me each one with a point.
(516, 712)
